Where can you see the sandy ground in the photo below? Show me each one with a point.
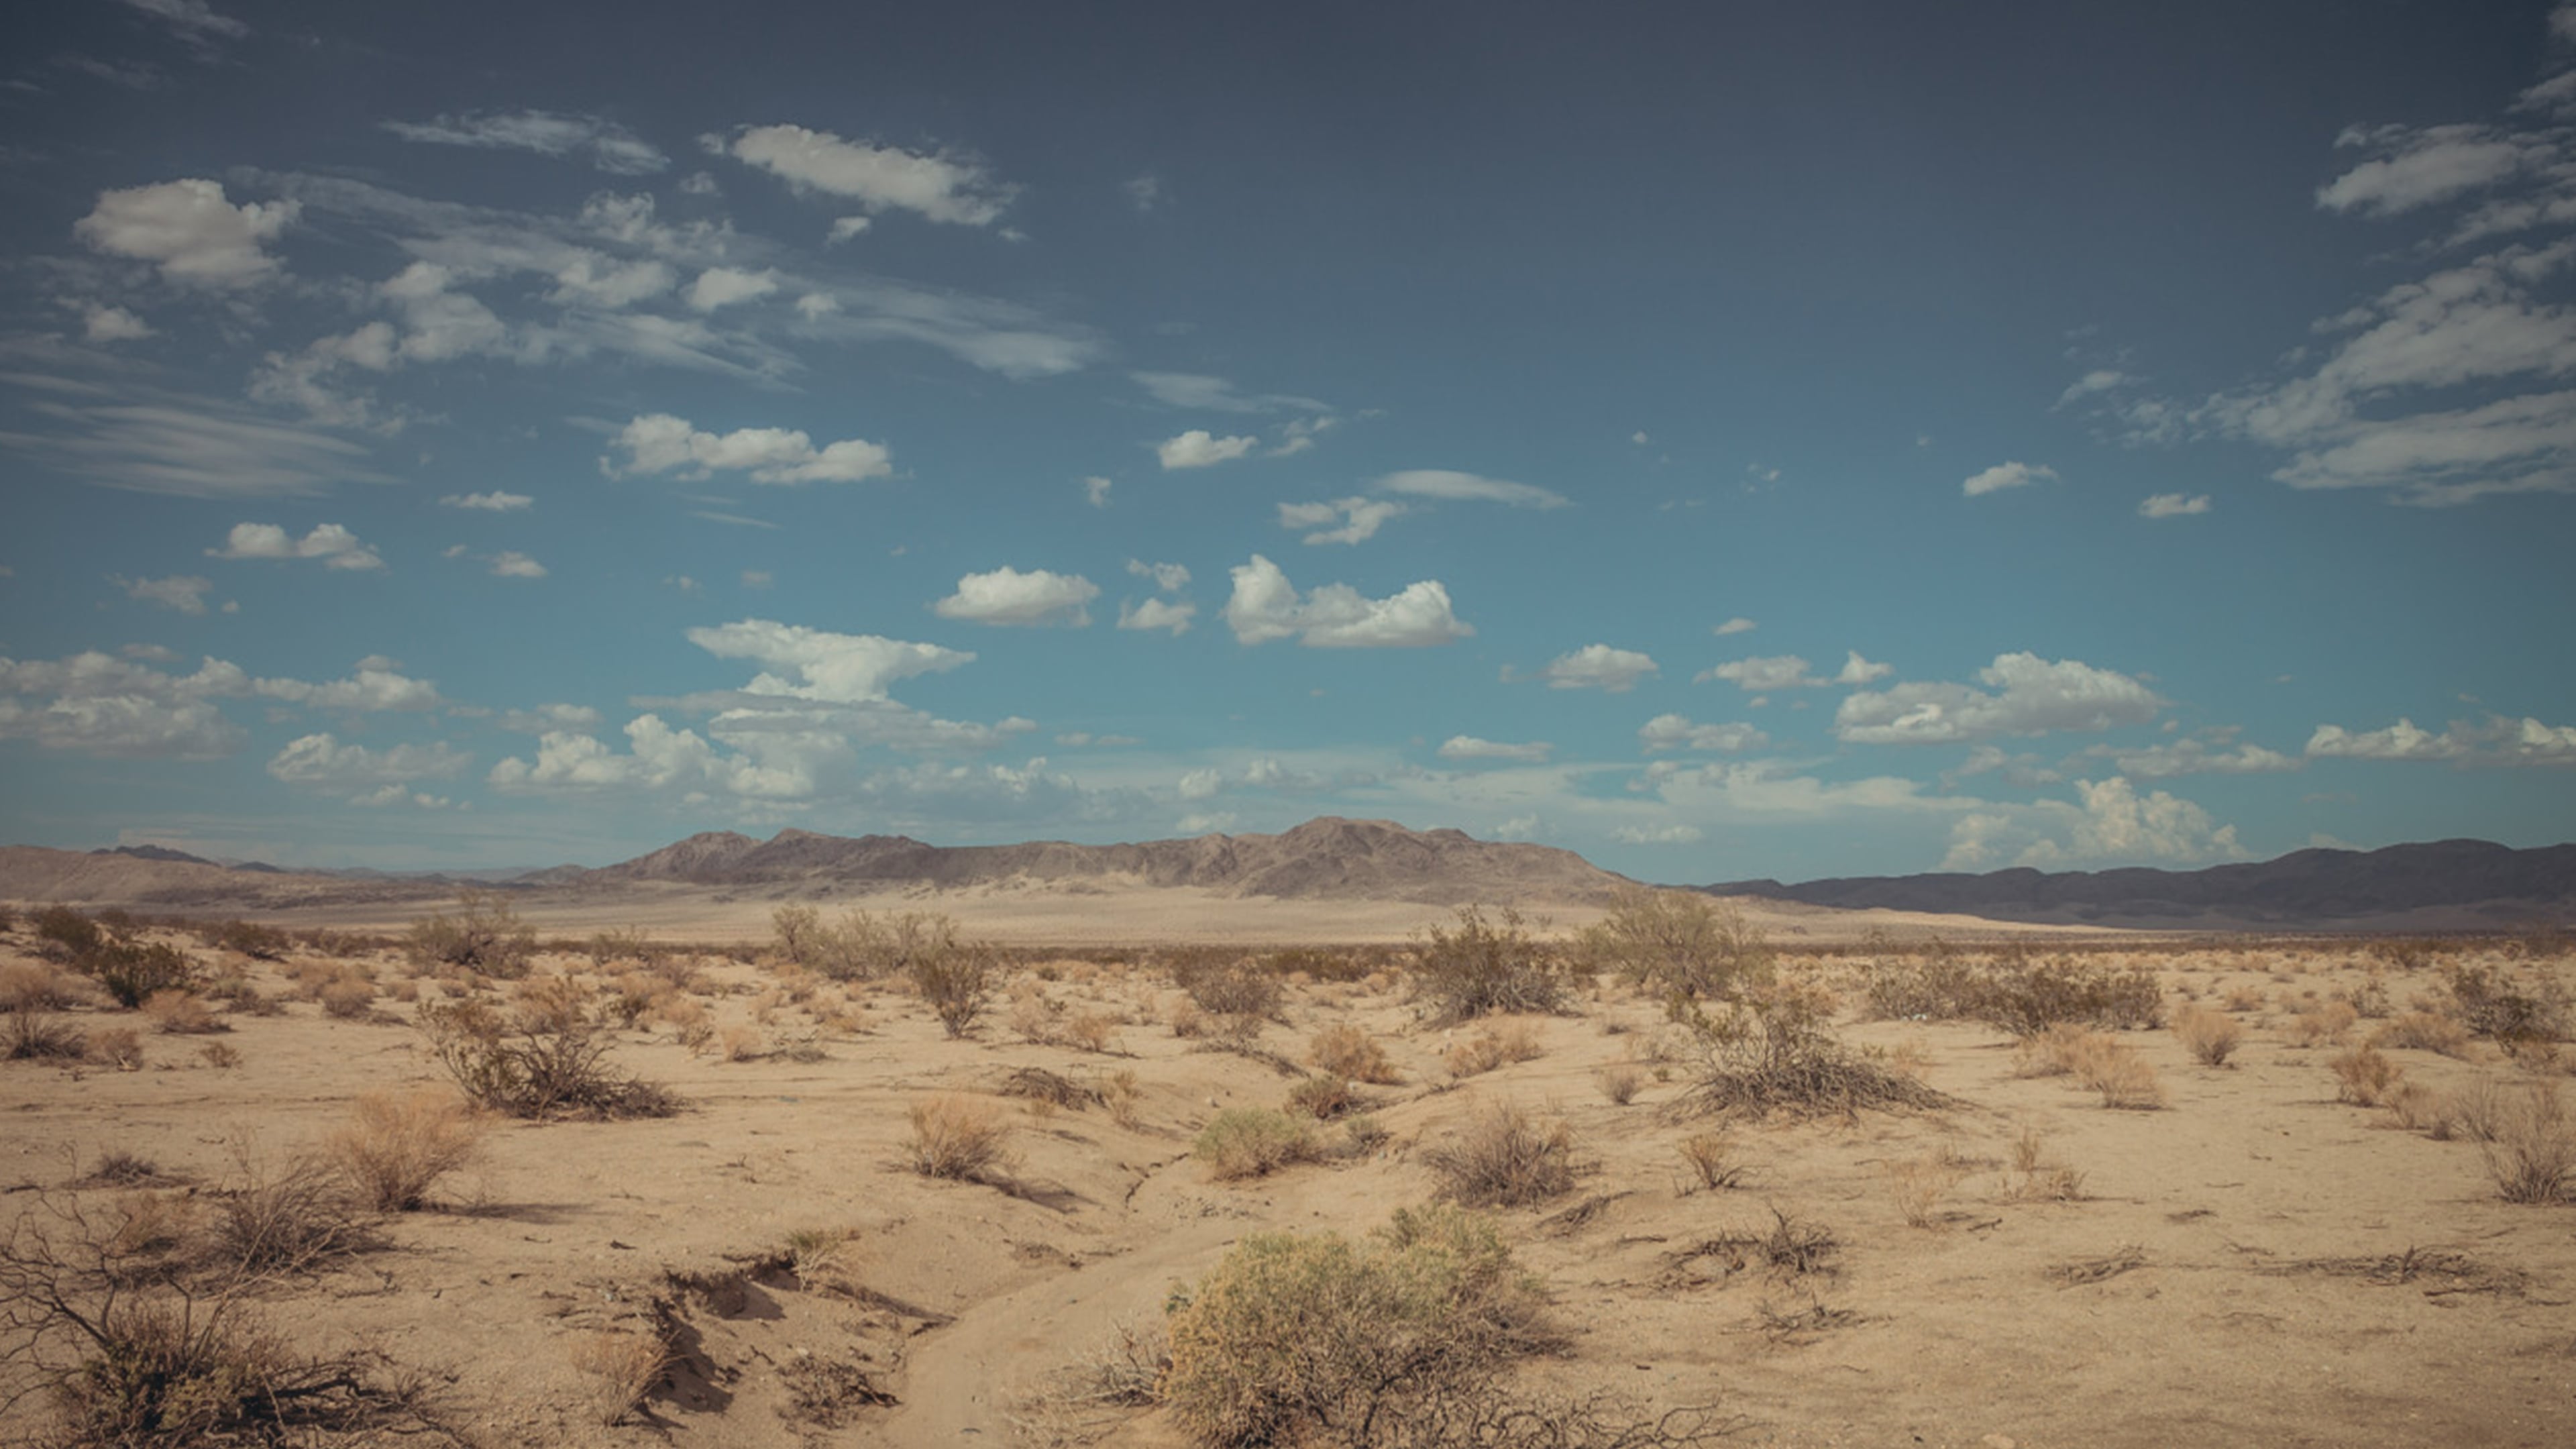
(2233, 1269)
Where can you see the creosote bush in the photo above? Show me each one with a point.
(1345, 1050)
(395, 1148)
(1502, 1157)
(484, 936)
(2364, 1078)
(957, 1137)
(1476, 966)
(2513, 1014)
(1775, 1052)
(2211, 1036)
(2025, 997)
(1668, 941)
(544, 1058)
(956, 978)
(1242, 1142)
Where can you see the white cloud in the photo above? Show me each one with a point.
(1677, 732)
(2005, 475)
(2173, 505)
(189, 231)
(336, 546)
(1145, 192)
(113, 324)
(547, 717)
(1764, 673)
(2500, 740)
(1171, 578)
(2101, 379)
(1737, 625)
(374, 686)
(1452, 486)
(1598, 666)
(843, 228)
(493, 502)
(2033, 697)
(2419, 167)
(1658, 835)
(2112, 824)
(97, 704)
(1361, 518)
(511, 564)
(320, 762)
(183, 592)
(941, 187)
(2194, 757)
(724, 286)
(758, 578)
(661, 443)
(840, 668)
(609, 146)
(1174, 615)
(1468, 747)
(593, 279)
(1095, 491)
(1008, 596)
(193, 447)
(194, 22)
(1197, 448)
(1857, 670)
(1265, 606)
(1214, 394)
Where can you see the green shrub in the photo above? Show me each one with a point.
(132, 973)
(1313, 1338)
(2026, 997)
(1479, 966)
(67, 934)
(1677, 941)
(2495, 1006)
(261, 943)
(484, 936)
(1251, 1142)
(1938, 984)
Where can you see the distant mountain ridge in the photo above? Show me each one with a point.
(2447, 884)
(1328, 857)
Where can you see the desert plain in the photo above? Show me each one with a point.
(837, 1218)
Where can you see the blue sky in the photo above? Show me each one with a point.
(1723, 440)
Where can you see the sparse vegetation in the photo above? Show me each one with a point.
(1668, 941)
(484, 936)
(1712, 1159)
(544, 1058)
(2516, 1015)
(2531, 1150)
(1502, 1157)
(1476, 966)
(2364, 1077)
(1242, 1142)
(2026, 996)
(1345, 1050)
(2211, 1036)
(1774, 1052)
(395, 1148)
(2424, 1031)
(957, 1137)
(623, 1367)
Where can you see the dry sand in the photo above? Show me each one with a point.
(2233, 1271)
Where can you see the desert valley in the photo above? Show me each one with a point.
(1352, 1135)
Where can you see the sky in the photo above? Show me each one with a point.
(1726, 440)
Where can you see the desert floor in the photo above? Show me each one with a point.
(2254, 1262)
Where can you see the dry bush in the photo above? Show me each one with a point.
(2425, 1031)
(33, 986)
(1937, 985)
(2327, 1024)
(260, 943)
(1711, 1157)
(2364, 1077)
(742, 1043)
(2026, 997)
(2531, 1154)
(1475, 1056)
(957, 1137)
(1033, 1017)
(280, 1215)
(2414, 1106)
(625, 1367)
(350, 998)
(1774, 1052)
(1187, 1020)
(120, 1047)
(1315, 1339)
(1121, 1094)
(181, 1013)
(2035, 1177)
(2245, 998)
(2120, 1074)
(1242, 1142)
(132, 972)
(1918, 1185)
(540, 1061)
(484, 936)
(2052, 1053)
(1092, 1031)
(690, 1023)
(28, 1035)
(2210, 1036)
(1346, 1050)
(2513, 1014)
(1620, 1082)
(607, 948)
(1478, 966)
(1324, 1098)
(395, 1148)
(955, 977)
(1502, 1158)
(1237, 992)
(1668, 941)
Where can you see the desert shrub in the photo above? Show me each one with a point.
(2210, 1036)
(1344, 1050)
(131, 972)
(624, 1367)
(238, 995)
(957, 1137)
(66, 934)
(1493, 1046)
(1320, 965)
(117, 1046)
(219, 1055)
(1620, 1082)
(484, 936)
(535, 1062)
(2363, 1077)
(1668, 941)
(349, 998)
(1091, 1031)
(956, 978)
(1316, 1339)
(260, 943)
(1502, 1158)
(1917, 1186)
(607, 948)
(280, 1215)
(2424, 1031)
(33, 986)
(2121, 1075)
(2026, 997)
(395, 1148)
(1124, 1096)
(861, 947)
(181, 1013)
(28, 1035)
(1711, 1158)
(1938, 985)
(2531, 1154)
(1242, 1142)
(1237, 988)
(1324, 1098)
(1775, 1052)
(2327, 1023)
(2491, 1004)
(1477, 966)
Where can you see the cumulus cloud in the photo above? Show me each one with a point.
(113, 324)
(2111, 823)
(375, 685)
(2499, 740)
(1265, 606)
(1008, 596)
(1658, 835)
(336, 546)
(2030, 696)
(841, 668)
(724, 286)
(1170, 614)
(1200, 391)
(1857, 670)
(1171, 578)
(547, 717)
(321, 762)
(1737, 625)
(605, 144)
(2194, 757)
(511, 564)
(1360, 518)
(96, 704)
(661, 443)
(2003, 476)
(2173, 505)
(1598, 666)
(1677, 732)
(183, 592)
(493, 502)
(1764, 673)
(2416, 167)
(1452, 486)
(941, 186)
(1197, 448)
(188, 230)
(1095, 491)
(1468, 747)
